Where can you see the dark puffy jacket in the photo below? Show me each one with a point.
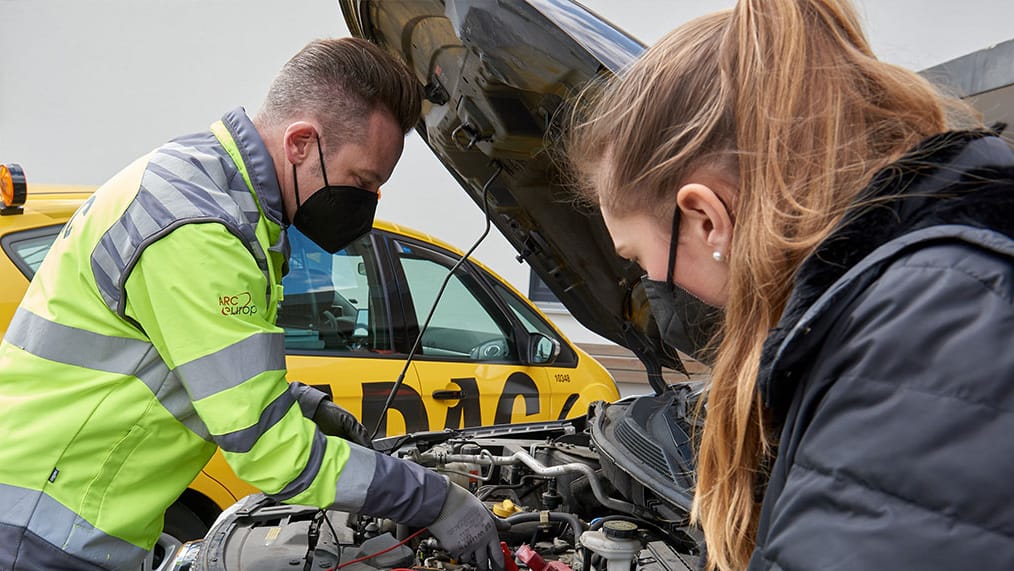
(891, 376)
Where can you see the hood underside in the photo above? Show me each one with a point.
(499, 76)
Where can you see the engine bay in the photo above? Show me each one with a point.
(607, 491)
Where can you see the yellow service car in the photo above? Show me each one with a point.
(488, 356)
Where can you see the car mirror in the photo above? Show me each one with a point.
(542, 350)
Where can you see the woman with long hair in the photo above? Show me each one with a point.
(855, 227)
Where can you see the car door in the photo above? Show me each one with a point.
(573, 382)
(469, 363)
(339, 324)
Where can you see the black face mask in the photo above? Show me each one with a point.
(684, 320)
(334, 216)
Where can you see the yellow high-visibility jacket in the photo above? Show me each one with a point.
(146, 340)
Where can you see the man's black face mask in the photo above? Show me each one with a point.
(684, 320)
(334, 216)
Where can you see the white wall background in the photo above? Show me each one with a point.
(88, 85)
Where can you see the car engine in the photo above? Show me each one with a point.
(607, 491)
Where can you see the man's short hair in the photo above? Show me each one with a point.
(341, 82)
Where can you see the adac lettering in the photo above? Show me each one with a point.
(518, 385)
(238, 304)
(466, 412)
(408, 402)
(467, 409)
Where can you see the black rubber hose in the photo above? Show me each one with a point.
(571, 519)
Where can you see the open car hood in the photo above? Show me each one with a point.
(498, 77)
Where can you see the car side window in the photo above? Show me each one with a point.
(466, 325)
(28, 248)
(533, 323)
(334, 303)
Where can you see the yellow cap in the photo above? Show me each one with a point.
(505, 508)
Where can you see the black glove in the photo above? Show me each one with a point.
(468, 531)
(334, 420)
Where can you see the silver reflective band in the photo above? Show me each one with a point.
(64, 529)
(356, 477)
(175, 399)
(243, 440)
(72, 346)
(212, 170)
(192, 168)
(119, 355)
(210, 165)
(179, 186)
(231, 366)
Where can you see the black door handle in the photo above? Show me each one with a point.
(447, 395)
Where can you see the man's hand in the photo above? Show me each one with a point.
(334, 420)
(468, 531)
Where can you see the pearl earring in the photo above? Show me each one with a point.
(718, 256)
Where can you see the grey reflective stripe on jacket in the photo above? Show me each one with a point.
(181, 185)
(121, 355)
(231, 366)
(31, 513)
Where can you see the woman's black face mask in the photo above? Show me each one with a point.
(334, 216)
(684, 320)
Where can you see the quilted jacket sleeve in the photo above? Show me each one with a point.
(905, 460)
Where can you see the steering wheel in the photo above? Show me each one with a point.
(489, 351)
(330, 325)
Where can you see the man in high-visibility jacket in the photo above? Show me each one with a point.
(147, 338)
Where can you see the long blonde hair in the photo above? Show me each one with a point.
(788, 96)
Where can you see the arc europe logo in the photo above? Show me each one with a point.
(239, 304)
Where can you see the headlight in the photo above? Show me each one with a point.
(186, 556)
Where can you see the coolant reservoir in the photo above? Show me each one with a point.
(505, 509)
(616, 542)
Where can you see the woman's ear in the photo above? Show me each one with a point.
(298, 140)
(705, 222)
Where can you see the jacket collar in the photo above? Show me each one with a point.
(259, 164)
(956, 185)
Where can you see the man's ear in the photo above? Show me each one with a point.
(299, 140)
(704, 219)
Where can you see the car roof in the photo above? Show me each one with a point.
(47, 205)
